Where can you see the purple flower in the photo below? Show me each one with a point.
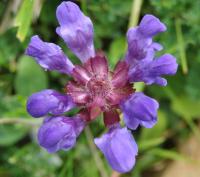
(150, 26)
(141, 51)
(58, 133)
(139, 109)
(119, 148)
(140, 43)
(76, 30)
(49, 55)
(95, 89)
(48, 101)
(152, 71)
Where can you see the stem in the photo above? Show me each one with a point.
(67, 167)
(181, 46)
(115, 174)
(193, 127)
(7, 20)
(20, 121)
(94, 151)
(133, 21)
(135, 12)
(37, 7)
(84, 6)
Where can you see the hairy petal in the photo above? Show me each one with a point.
(150, 26)
(76, 29)
(119, 148)
(139, 109)
(151, 72)
(48, 101)
(49, 56)
(139, 47)
(140, 43)
(164, 65)
(58, 133)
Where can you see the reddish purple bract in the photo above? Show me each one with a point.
(96, 89)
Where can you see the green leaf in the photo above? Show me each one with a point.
(144, 162)
(169, 154)
(149, 143)
(191, 84)
(117, 50)
(9, 48)
(13, 106)
(181, 46)
(31, 157)
(11, 134)
(186, 107)
(23, 19)
(30, 77)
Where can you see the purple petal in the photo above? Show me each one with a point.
(49, 56)
(130, 123)
(148, 124)
(139, 109)
(140, 47)
(152, 71)
(164, 65)
(58, 133)
(119, 148)
(76, 29)
(48, 101)
(157, 46)
(140, 43)
(150, 26)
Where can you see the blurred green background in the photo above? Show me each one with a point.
(168, 149)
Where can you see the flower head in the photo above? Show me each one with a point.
(96, 89)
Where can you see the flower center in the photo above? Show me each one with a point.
(98, 89)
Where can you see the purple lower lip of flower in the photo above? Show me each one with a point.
(49, 56)
(76, 29)
(98, 89)
(119, 148)
(150, 26)
(48, 101)
(153, 71)
(58, 133)
(139, 109)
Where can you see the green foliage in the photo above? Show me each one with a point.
(8, 49)
(35, 161)
(9, 135)
(20, 76)
(114, 52)
(30, 77)
(186, 107)
(152, 137)
(168, 154)
(23, 18)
